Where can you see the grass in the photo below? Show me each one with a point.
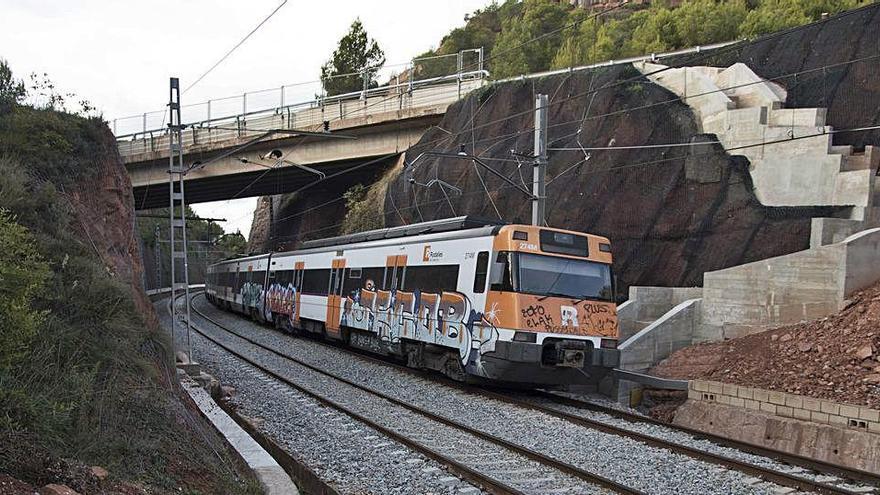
(86, 376)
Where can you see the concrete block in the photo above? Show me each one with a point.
(777, 398)
(874, 427)
(829, 407)
(869, 414)
(836, 420)
(785, 411)
(722, 399)
(761, 395)
(729, 389)
(818, 417)
(794, 401)
(801, 414)
(716, 387)
(701, 385)
(737, 402)
(693, 394)
(745, 392)
(849, 411)
(767, 407)
(812, 404)
(752, 404)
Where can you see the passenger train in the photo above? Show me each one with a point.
(476, 300)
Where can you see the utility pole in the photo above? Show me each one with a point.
(157, 258)
(177, 211)
(540, 168)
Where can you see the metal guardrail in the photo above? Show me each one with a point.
(650, 380)
(312, 115)
(461, 66)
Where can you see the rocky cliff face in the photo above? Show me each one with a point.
(104, 210)
(672, 213)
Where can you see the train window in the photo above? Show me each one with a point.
(501, 273)
(563, 243)
(354, 273)
(284, 277)
(434, 278)
(371, 277)
(316, 281)
(481, 271)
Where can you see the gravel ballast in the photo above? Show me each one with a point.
(348, 454)
(626, 461)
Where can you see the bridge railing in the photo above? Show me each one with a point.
(456, 69)
(309, 117)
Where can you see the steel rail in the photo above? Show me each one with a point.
(523, 451)
(778, 477)
(472, 475)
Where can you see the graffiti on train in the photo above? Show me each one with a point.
(446, 318)
(281, 299)
(251, 295)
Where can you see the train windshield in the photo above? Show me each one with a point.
(553, 276)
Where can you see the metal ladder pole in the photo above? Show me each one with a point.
(177, 213)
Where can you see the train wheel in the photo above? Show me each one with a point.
(453, 369)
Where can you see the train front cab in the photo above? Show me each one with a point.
(551, 297)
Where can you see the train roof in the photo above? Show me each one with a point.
(432, 227)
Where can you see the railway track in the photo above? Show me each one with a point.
(490, 462)
(787, 479)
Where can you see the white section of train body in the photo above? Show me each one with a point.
(385, 321)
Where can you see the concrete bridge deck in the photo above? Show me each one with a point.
(383, 121)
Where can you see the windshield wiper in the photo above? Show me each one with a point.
(552, 294)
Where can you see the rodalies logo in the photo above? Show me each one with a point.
(428, 255)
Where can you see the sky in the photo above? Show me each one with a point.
(120, 54)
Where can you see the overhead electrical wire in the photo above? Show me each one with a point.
(415, 206)
(237, 45)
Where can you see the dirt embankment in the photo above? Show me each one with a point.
(837, 357)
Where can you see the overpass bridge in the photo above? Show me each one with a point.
(231, 156)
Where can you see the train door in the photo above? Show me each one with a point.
(395, 269)
(298, 271)
(334, 297)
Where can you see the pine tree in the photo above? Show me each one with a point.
(355, 53)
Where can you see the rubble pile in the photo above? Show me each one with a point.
(836, 357)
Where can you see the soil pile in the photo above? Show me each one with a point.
(837, 357)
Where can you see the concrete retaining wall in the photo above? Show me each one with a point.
(669, 333)
(646, 304)
(834, 432)
(786, 405)
(787, 289)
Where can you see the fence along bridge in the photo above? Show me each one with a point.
(383, 120)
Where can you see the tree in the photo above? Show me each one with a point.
(700, 22)
(356, 52)
(776, 15)
(578, 41)
(11, 91)
(522, 46)
(772, 16)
